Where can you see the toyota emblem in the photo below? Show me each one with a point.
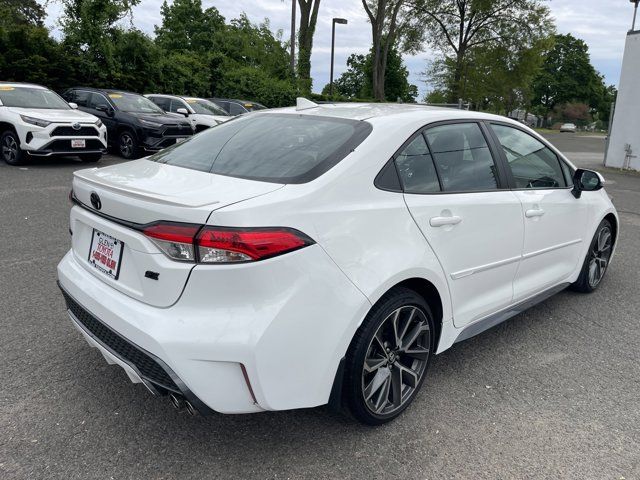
(95, 201)
(76, 126)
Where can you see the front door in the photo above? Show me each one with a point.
(555, 221)
(455, 193)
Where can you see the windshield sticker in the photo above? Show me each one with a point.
(5, 88)
(192, 101)
(115, 95)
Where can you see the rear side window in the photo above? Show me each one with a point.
(462, 157)
(162, 102)
(279, 148)
(532, 164)
(416, 169)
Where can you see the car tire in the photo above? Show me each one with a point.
(91, 157)
(127, 145)
(389, 356)
(597, 260)
(10, 150)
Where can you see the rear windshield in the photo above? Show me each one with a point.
(279, 148)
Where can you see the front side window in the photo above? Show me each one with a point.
(27, 97)
(279, 148)
(532, 164)
(98, 100)
(415, 167)
(462, 158)
(236, 109)
(82, 98)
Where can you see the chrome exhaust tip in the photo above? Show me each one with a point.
(176, 401)
(190, 408)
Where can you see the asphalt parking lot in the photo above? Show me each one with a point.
(552, 393)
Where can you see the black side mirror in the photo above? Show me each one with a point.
(106, 109)
(586, 181)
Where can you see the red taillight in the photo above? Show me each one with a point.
(174, 239)
(223, 244)
(188, 242)
(172, 232)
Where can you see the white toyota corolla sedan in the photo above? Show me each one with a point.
(324, 254)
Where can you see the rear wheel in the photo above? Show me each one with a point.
(389, 356)
(91, 157)
(127, 145)
(10, 148)
(597, 261)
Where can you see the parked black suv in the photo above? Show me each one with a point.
(134, 123)
(233, 106)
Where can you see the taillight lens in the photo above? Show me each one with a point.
(229, 245)
(175, 240)
(195, 243)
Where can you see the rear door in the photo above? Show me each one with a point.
(555, 221)
(456, 193)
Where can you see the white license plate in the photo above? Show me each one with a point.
(80, 143)
(178, 140)
(105, 253)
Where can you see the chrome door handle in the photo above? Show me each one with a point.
(534, 212)
(442, 221)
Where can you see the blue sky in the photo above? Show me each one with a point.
(601, 23)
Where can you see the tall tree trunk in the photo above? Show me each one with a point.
(386, 13)
(308, 20)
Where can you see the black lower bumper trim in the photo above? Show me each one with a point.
(153, 371)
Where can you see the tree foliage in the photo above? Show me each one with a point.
(567, 77)
(356, 82)
(460, 29)
(393, 25)
(195, 52)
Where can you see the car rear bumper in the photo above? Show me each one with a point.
(232, 343)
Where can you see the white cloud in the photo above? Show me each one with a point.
(602, 24)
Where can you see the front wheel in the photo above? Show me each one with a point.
(389, 356)
(127, 145)
(597, 261)
(10, 148)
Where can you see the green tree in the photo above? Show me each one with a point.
(567, 76)
(21, 12)
(186, 27)
(457, 28)
(392, 26)
(357, 81)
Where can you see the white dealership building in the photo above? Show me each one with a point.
(623, 150)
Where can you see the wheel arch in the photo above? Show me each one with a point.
(613, 220)
(4, 126)
(434, 299)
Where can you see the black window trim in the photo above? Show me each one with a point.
(501, 179)
(509, 175)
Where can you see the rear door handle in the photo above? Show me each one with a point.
(442, 221)
(534, 212)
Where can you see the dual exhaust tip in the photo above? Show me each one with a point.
(179, 403)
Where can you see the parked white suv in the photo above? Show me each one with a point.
(201, 113)
(38, 122)
(324, 254)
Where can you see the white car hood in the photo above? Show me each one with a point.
(57, 116)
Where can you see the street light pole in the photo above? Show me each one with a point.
(635, 14)
(341, 21)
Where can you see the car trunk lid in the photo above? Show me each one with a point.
(139, 193)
